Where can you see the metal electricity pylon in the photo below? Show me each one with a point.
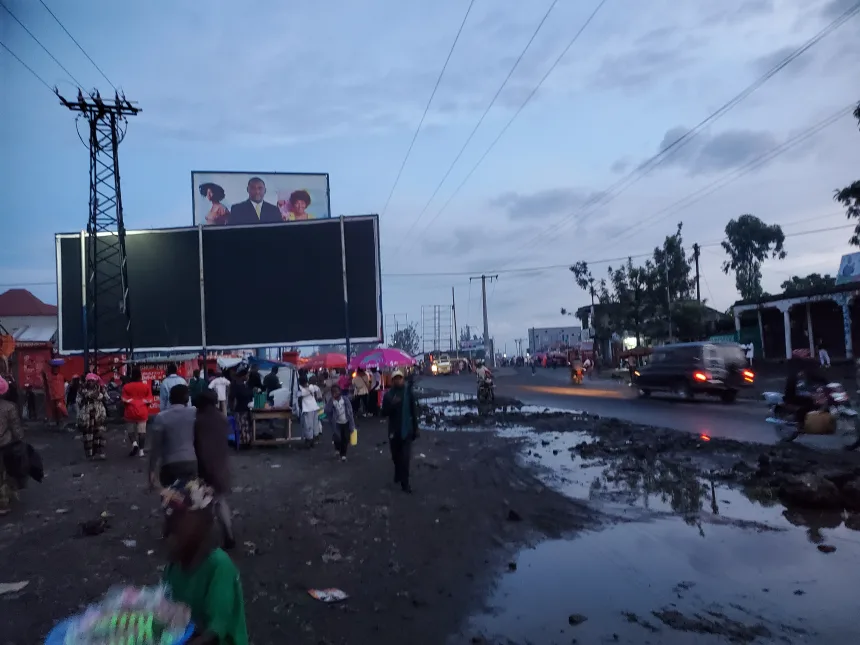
(107, 307)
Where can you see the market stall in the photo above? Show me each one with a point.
(385, 359)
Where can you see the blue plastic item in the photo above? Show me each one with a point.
(57, 636)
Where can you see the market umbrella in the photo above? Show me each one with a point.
(383, 358)
(330, 361)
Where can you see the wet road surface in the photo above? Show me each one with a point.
(743, 420)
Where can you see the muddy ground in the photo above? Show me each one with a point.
(414, 566)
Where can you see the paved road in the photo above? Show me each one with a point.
(743, 420)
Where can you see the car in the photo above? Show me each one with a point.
(691, 369)
(442, 365)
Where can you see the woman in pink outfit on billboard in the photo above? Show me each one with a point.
(293, 209)
(218, 213)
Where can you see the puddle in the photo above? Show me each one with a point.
(683, 561)
(729, 586)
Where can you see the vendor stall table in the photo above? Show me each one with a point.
(265, 414)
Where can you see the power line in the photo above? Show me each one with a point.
(566, 265)
(492, 102)
(608, 195)
(83, 51)
(39, 42)
(427, 107)
(29, 69)
(516, 114)
(738, 173)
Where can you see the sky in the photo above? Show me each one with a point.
(340, 87)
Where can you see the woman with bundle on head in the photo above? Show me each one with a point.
(92, 416)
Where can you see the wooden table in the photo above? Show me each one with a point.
(264, 414)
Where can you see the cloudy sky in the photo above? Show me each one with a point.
(340, 87)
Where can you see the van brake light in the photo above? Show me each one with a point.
(700, 376)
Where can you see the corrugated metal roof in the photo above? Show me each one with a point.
(35, 334)
(20, 302)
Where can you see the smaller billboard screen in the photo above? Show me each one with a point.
(243, 198)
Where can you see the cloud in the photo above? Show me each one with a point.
(764, 64)
(705, 153)
(635, 69)
(835, 8)
(543, 203)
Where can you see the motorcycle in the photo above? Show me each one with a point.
(577, 373)
(486, 392)
(832, 400)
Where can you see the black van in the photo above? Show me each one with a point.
(688, 369)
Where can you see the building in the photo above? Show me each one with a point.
(542, 339)
(26, 317)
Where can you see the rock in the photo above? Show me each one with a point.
(809, 491)
(576, 619)
(851, 494)
(853, 521)
(826, 548)
(512, 566)
(513, 516)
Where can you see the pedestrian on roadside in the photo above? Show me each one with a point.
(213, 462)
(240, 402)
(359, 392)
(255, 381)
(136, 397)
(172, 379)
(221, 386)
(196, 385)
(199, 574)
(55, 394)
(402, 411)
(11, 433)
(339, 413)
(72, 397)
(309, 396)
(314, 382)
(172, 456)
(92, 416)
(344, 381)
(373, 393)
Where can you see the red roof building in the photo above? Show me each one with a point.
(20, 302)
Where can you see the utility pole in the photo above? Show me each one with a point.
(696, 251)
(107, 305)
(455, 337)
(668, 302)
(487, 342)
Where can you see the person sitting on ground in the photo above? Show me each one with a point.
(341, 419)
(172, 455)
(213, 461)
(199, 574)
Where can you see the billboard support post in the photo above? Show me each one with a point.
(345, 292)
(202, 297)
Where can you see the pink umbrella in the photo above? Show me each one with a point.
(383, 358)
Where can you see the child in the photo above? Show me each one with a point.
(199, 574)
(339, 413)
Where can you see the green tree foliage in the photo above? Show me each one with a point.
(812, 282)
(849, 197)
(406, 339)
(749, 242)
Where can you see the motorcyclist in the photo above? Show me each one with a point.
(801, 385)
(483, 373)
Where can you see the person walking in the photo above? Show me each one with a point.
(196, 385)
(11, 433)
(55, 393)
(172, 456)
(241, 399)
(338, 411)
(221, 386)
(359, 392)
(136, 397)
(92, 416)
(402, 411)
(309, 395)
(373, 393)
(213, 462)
(172, 379)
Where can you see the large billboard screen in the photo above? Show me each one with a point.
(256, 287)
(244, 198)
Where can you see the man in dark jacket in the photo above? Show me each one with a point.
(402, 412)
(213, 462)
(254, 210)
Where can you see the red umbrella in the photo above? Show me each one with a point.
(331, 361)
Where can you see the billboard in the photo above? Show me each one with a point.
(255, 286)
(849, 269)
(245, 198)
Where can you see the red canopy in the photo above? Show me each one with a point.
(331, 361)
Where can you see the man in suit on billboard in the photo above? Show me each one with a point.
(254, 210)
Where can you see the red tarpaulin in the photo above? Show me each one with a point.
(330, 361)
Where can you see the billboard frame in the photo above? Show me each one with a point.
(258, 172)
(344, 219)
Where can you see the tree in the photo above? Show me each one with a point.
(406, 339)
(849, 197)
(812, 282)
(748, 243)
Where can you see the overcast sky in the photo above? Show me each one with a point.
(292, 86)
